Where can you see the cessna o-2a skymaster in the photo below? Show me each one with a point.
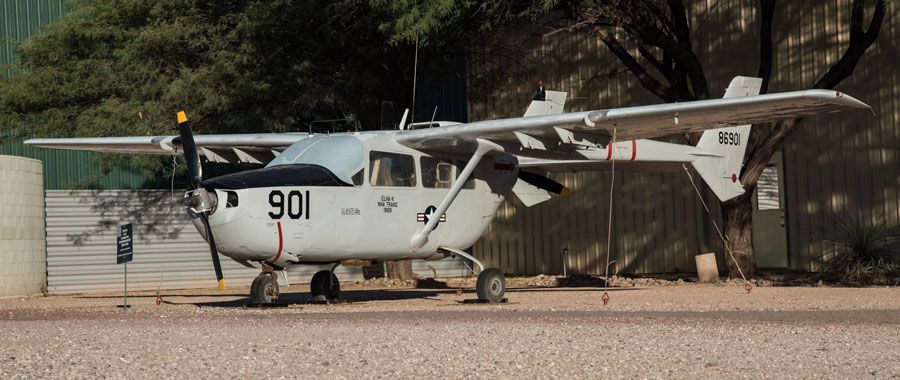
(428, 193)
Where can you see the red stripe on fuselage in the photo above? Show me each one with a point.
(280, 244)
(609, 148)
(633, 149)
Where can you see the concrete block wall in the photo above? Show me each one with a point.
(23, 247)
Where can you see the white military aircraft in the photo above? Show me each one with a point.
(430, 190)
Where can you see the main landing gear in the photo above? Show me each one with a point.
(264, 290)
(324, 286)
(491, 285)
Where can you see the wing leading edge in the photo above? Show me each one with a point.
(251, 147)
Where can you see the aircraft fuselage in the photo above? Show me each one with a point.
(368, 220)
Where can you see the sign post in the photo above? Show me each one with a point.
(124, 252)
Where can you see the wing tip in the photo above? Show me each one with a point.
(838, 98)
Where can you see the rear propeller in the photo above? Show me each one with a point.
(199, 199)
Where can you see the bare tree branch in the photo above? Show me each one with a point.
(859, 43)
(766, 55)
(679, 19)
(648, 81)
(648, 55)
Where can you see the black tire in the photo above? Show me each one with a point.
(254, 287)
(491, 285)
(325, 283)
(260, 290)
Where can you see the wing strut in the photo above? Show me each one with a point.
(484, 146)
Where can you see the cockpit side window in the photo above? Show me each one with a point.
(391, 169)
(436, 173)
(470, 184)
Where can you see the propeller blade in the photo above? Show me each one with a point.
(212, 251)
(189, 149)
(542, 182)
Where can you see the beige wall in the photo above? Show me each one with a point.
(834, 163)
(23, 254)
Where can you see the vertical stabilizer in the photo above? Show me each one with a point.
(722, 150)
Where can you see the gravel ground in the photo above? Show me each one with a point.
(697, 331)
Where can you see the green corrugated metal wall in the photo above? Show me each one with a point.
(19, 19)
(442, 85)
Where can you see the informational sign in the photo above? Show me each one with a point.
(124, 244)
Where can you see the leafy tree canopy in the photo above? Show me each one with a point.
(453, 23)
(124, 67)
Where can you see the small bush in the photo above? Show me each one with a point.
(861, 249)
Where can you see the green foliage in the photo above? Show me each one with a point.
(453, 23)
(125, 67)
(860, 249)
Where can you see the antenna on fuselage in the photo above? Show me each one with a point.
(403, 119)
(433, 114)
(415, 72)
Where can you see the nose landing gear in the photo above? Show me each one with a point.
(264, 290)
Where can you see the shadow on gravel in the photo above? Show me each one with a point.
(350, 296)
(555, 289)
(165, 295)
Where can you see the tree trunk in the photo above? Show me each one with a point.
(737, 215)
(399, 269)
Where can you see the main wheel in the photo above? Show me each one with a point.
(325, 285)
(262, 289)
(491, 285)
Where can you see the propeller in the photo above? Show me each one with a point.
(542, 182)
(199, 199)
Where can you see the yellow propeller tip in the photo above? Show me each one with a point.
(182, 117)
(565, 192)
(221, 284)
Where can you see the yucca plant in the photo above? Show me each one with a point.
(860, 248)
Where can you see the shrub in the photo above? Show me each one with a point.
(859, 248)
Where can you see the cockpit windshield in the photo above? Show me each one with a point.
(342, 155)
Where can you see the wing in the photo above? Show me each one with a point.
(256, 148)
(530, 136)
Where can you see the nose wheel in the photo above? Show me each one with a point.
(491, 286)
(264, 289)
(324, 286)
